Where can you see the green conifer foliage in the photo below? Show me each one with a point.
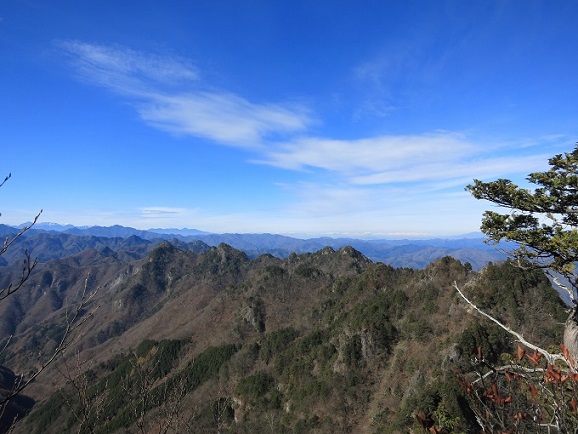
(543, 221)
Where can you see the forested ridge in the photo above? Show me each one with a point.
(212, 341)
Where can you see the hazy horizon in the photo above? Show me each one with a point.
(198, 231)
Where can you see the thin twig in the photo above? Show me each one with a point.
(9, 241)
(71, 326)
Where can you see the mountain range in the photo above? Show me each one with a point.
(183, 335)
(413, 253)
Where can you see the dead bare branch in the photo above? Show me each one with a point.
(73, 324)
(561, 285)
(89, 407)
(6, 179)
(519, 338)
(9, 241)
(27, 264)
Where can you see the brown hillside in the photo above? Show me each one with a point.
(321, 342)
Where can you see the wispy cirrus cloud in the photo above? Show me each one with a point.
(127, 71)
(380, 153)
(169, 94)
(161, 212)
(441, 157)
(223, 117)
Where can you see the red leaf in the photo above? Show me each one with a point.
(552, 375)
(566, 355)
(534, 358)
(521, 352)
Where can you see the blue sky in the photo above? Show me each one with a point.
(295, 117)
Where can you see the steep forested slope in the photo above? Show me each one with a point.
(318, 342)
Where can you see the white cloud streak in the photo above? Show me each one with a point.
(221, 117)
(124, 70)
(439, 157)
(370, 154)
(169, 95)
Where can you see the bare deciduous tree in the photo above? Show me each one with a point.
(85, 405)
(157, 404)
(73, 321)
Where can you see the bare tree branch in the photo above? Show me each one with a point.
(73, 323)
(561, 285)
(519, 338)
(27, 264)
(6, 179)
(9, 241)
(90, 406)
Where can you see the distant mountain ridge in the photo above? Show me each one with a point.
(111, 231)
(411, 253)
